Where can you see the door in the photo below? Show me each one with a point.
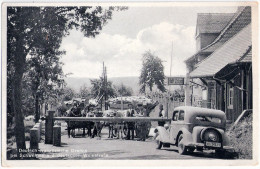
(174, 122)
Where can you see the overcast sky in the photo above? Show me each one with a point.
(129, 34)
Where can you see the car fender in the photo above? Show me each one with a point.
(163, 135)
(196, 133)
(225, 138)
(197, 130)
(187, 136)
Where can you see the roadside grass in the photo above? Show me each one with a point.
(241, 138)
(10, 133)
(28, 125)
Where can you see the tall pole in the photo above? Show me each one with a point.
(102, 85)
(171, 65)
(169, 88)
(122, 105)
(106, 106)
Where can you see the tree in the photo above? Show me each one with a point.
(122, 90)
(83, 91)
(43, 72)
(31, 28)
(98, 89)
(69, 93)
(151, 73)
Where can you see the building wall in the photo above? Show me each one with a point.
(242, 100)
(249, 88)
(217, 93)
(194, 93)
(197, 93)
(220, 97)
(201, 96)
(198, 43)
(233, 111)
(205, 39)
(201, 57)
(211, 96)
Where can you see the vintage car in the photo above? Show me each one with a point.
(194, 128)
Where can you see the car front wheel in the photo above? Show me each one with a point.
(181, 147)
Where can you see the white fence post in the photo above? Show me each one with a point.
(34, 138)
(57, 135)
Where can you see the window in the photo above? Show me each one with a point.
(230, 97)
(208, 119)
(204, 94)
(181, 116)
(175, 115)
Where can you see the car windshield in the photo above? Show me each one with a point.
(208, 119)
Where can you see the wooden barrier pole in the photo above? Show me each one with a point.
(112, 119)
(49, 128)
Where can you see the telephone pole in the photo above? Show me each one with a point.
(104, 87)
(171, 65)
(105, 80)
(169, 86)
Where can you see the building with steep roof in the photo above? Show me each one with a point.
(237, 22)
(220, 73)
(229, 52)
(209, 26)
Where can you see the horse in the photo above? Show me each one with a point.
(72, 125)
(115, 128)
(97, 126)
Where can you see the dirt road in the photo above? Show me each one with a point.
(106, 148)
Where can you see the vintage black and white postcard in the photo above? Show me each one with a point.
(88, 84)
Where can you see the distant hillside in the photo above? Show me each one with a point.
(77, 82)
(132, 82)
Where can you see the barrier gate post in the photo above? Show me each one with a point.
(49, 127)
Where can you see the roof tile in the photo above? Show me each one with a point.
(229, 52)
(241, 19)
(247, 57)
(212, 22)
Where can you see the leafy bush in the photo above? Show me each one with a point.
(241, 138)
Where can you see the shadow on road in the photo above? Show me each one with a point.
(64, 144)
(197, 154)
(146, 157)
(171, 150)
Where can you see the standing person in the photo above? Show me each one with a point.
(95, 124)
(90, 124)
(142, 126)
(130, 125)
(161, 114)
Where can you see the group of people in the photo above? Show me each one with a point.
(140, 128)
(79, 110)
(132, 130)
(137, 129)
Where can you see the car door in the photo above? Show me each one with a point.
(177, 124)
(174, 123)
(180, 121)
